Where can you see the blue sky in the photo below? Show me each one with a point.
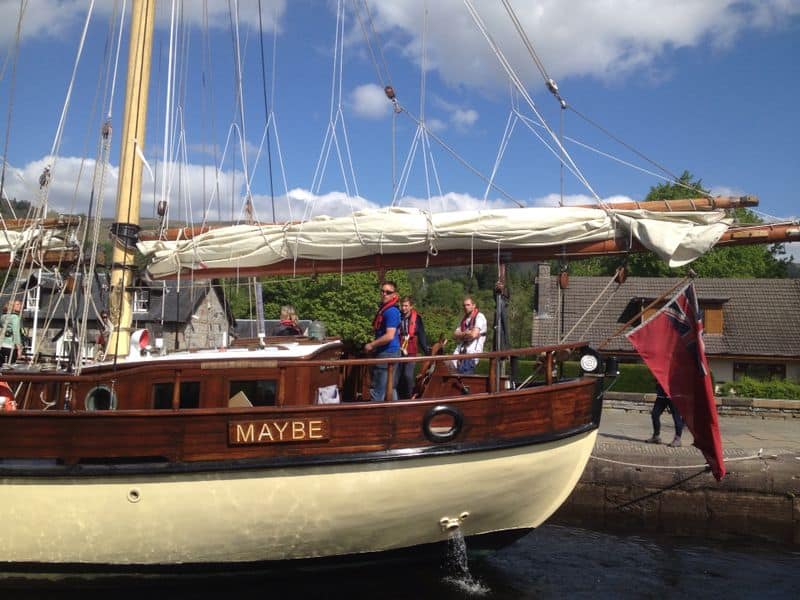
(707, 86)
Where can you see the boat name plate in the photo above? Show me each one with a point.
(277, 431)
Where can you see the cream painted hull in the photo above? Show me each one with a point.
(285, 513)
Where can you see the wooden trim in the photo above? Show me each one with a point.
(176, 391)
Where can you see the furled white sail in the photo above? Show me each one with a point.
(676, 237)
(13, 242)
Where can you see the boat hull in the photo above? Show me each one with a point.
(287, 513)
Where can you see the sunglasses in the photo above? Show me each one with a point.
(387, 292)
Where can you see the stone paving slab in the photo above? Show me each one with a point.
(630, 484)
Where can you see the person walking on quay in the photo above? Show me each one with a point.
(11, 323)
(663, 402)
(470, 336)
(412, 342)
(386, 344)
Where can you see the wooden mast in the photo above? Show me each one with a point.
(126, 228)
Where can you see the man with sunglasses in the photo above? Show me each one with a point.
(386, 344)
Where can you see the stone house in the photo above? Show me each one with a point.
(51, 307)
(752, 326)
(183, 316)
(177, 316)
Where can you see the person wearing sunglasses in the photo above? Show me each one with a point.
(386, 344)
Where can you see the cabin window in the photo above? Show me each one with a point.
(141, 301)
(260, 392)
(101, 398)
(190, 395)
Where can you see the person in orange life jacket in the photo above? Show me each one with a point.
(386, 344)
(288, 322)
(412, 342)
(470, 336)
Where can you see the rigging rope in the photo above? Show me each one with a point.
(12, 89)
(553, 88)
(506, 65)
(589, 308)
(266, 110)
(335, 116)
(97, 192)
(672, 177)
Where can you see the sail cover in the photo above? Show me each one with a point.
(33, 238)
(676, 237)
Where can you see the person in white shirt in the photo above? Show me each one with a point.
(470, 336)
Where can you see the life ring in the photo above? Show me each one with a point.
(439, 436)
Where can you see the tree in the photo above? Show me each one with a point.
(345, 303)
(731, 262)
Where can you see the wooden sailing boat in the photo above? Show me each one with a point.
(224, 458)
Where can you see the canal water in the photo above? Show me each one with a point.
(552, 562)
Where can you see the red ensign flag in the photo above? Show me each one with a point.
(671, 344)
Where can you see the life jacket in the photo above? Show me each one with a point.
(468, 322)
(377, 322)
(288, 327)
(408, 334)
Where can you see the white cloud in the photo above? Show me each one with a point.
(192, 189)
(554, 199)
(724, 190)
(53, 18)
(435, 125)
(464, 118)
(44, 18)
(370, 101)
(303, 202)
(576, 38)
(453, 201)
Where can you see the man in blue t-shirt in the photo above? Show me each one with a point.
(386, 344)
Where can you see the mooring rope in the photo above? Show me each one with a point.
(759, 455)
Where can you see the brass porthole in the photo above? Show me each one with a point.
(101, 397)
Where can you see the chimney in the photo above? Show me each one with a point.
(541, 302)
(541, 292)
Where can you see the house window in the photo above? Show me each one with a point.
(32, 298)
(190, 395)
(260, 392)
(141, 301)
(711, 315)
(761, 371)
(712, 319)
